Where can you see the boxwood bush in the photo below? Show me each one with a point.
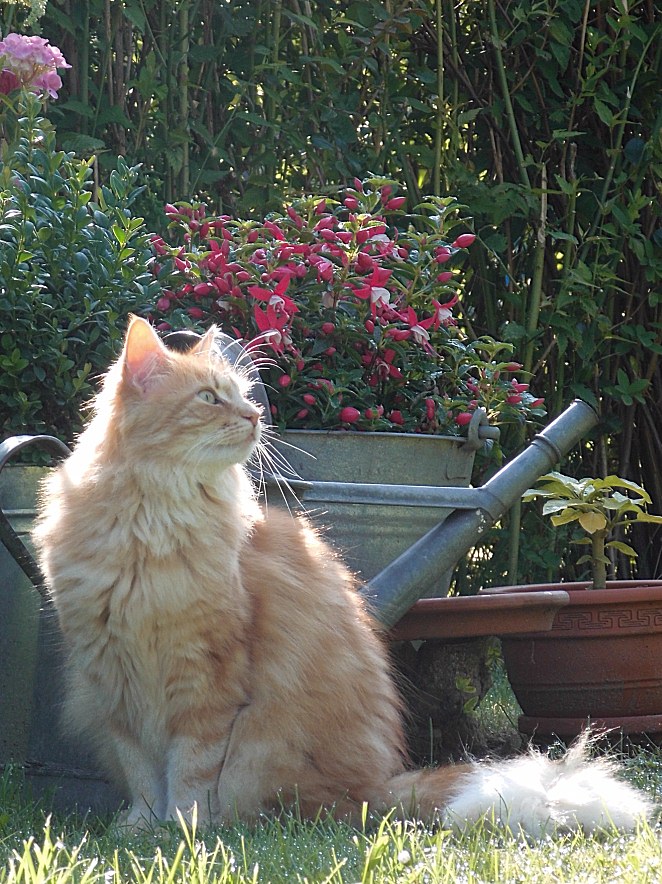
(73, 264)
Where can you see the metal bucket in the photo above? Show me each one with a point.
(370, 535)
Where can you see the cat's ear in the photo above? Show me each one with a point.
(144, 357)
(206, 346)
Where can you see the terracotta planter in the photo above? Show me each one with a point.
(600, 662)
(480, 615)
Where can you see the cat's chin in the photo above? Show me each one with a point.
(235, 455)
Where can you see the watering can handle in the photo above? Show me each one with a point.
(480, 430)
(8, 536)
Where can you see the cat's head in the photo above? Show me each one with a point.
(189, 408)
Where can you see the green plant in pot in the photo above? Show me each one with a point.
(599, 664)
(355, 305)
(600, 507)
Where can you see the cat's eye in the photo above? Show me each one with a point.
(208, 396)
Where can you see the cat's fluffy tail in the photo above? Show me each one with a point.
(533, 794)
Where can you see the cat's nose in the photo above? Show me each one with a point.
(252, 416)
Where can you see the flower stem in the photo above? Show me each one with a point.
(598, 563)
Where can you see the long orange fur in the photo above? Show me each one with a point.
(218, 655)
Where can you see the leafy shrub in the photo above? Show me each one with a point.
(71, 269)
(352, 304)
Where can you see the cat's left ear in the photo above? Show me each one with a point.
(144, 357)
(206, 346)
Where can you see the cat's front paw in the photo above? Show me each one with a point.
(137, 818)
(192, 817)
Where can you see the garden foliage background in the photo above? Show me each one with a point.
(543, 117)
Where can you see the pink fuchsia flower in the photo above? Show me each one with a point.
(418, 327)
(33, 62)
(273, 327)
(443, 313)
(383, 365)
(277, 298)
(374, 289)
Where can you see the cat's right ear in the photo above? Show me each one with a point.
(144, 357)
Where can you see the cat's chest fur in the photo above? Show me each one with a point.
(148, 591)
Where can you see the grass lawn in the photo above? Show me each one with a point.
(39, 846)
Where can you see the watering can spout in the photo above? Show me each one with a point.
(403, 582)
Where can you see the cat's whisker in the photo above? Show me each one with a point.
(278, 459)
(273, 431)
(280, 481)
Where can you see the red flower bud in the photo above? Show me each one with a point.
(396, 418)
(464, 240)
(463, 418)
(284, 380)
(396, 203)
(442, 254)
(349, 415)
(328, 328)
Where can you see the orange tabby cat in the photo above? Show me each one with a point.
(219, 656)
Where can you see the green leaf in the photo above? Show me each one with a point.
(565, 517)
(622, 547)
(604, 112)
